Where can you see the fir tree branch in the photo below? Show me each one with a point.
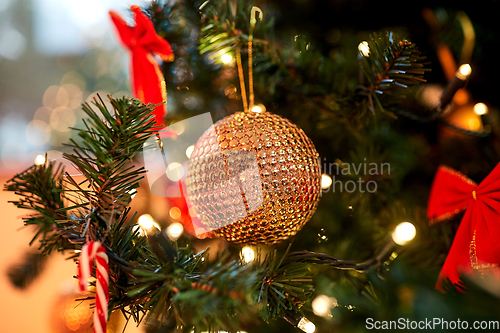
(21, 275)
(188, 289)
(391, 67)
(40, 191)
(108, 144)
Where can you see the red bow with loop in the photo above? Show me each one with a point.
(148, 83)
(476, 246)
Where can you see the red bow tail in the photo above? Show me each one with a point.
(474, 246)
(148, 83)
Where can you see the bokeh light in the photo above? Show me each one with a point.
(364, 49)
(326, 181)
(247, 254)
(323, 304)
(174, 231)
(39, 159)
(175, 213)
(38, 132)
(480, 109)
(175, 171)
(226, 58)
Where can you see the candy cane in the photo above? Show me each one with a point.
(90, 251)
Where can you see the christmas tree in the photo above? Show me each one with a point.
(373, 110)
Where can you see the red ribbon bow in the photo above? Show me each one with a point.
(148, 83)
(476, 245)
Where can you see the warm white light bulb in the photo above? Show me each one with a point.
(326, 181)
(364, 49)
(174, 231)
(226, 58)
(146, 222)
(256, 109)
(39, 159)
(247, 254)
(306, 325)
(465, 69)
(139, 230)
(480, 109)
(404, 232)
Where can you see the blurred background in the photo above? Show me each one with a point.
(54, 55)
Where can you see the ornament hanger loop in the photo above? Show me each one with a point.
(247, 105)
(253, 17)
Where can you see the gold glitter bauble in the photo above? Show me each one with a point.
(254, 178)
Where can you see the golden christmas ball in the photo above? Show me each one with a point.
(254, 178)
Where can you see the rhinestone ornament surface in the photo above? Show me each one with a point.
(254, 178)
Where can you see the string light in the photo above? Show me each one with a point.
(226, 58)
(247, 254)
(404, 233)
(174, 231)
(147, 223)
(480, 109)
(39, 159)
(322, 305)
(465, 70)
(326, 181)
(258, 108)
(364, 49)
(306, 325)
(457, 82)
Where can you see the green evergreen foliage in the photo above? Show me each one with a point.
(353, 123)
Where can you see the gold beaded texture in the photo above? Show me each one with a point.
(254, 178)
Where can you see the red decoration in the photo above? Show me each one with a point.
(476, 246)
(148, 84)
(90, 251)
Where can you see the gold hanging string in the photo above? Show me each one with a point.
(241, 75)
(250, 71)
(253, 21)
(242, 81)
